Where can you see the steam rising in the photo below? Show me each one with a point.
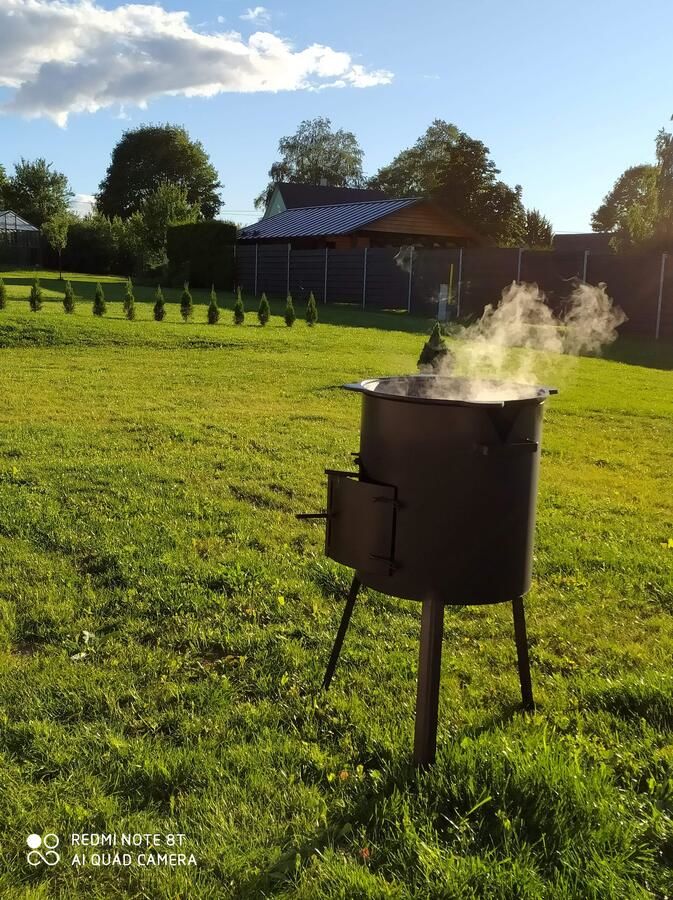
(511, 340)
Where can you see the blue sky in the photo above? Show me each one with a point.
(566, 95)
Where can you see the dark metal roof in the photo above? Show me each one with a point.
(311, 221)
(594, 241)
(300, 195)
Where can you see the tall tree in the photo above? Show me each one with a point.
(313, 153)
(664, 150)
(167, 205)
(152, 155)
(630, 211)
(456, 170)
(538, 233)
(36, 191)
(55, 230)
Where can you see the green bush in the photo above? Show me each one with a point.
(129, 303)
(264, 311)
(290, 314)
(203, 252)
(3, 295)
(311, 310)
(239, 309)
(186, 304)
(69, 298)
(99, 305)
(159, 305)
(35, 299)
(213, 308)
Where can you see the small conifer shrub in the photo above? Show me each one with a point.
(186, 304)
(435, 355)
(264, 311)
(311, 310)
(290, 314)
(239, 309)
(3, 295)
(99, 305)
(213, 308)
(35, 299)
(129, 302)
(68, 298)
(159, 305)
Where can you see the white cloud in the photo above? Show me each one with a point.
(62, 57)
(256, 14)
(82, 204)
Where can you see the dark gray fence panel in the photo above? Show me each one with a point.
(431, 269)
(387, 282)
(633, 282)
(555, 273)
(245, 267)
(666, 323)
(272, 269)
(345, 276)
(486, 271)
(307, 273)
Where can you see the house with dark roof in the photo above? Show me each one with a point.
(293, 196)
(593, 241)
(369, 223)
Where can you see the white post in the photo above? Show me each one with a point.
(256, 252)
(411, 274)
(364, 280)
(289, 248)
(518, 265)
(324, 292)
(661, 295)
(584, 267)
(460, 281)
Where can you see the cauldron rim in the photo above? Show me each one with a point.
(369, 387)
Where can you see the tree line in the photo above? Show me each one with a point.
(638, 211)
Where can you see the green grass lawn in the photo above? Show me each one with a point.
(165, 622)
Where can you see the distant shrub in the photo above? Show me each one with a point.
(311, 310)
(264, 311)
(69, 298)
(3, 295)
(99, 304)
(129, 303)
(35, 299)
(186, 304)
(213, 308)
(290, 314)
(239, 309)
(159, 305)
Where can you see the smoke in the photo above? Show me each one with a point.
(517, 340)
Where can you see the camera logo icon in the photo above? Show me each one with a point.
(43, 849)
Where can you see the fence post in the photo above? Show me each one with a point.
(661, 294)
(411, 275)
(518, 266)
(460, 281)
(256, 252)
(289, 248)
(324, 293)
(364, 280)
(584, 267)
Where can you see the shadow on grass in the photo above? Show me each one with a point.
(641, 352)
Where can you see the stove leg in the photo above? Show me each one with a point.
(341, 633)
(522, 653)
(427, 693)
